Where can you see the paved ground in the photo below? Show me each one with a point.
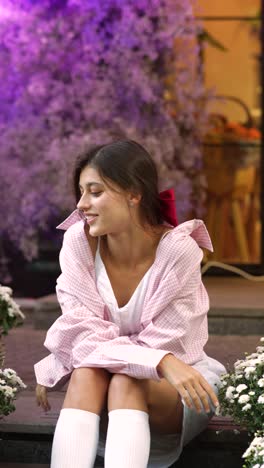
(235, 292)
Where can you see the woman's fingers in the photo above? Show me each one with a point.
(205, 385)
(202, 398)
(200, 392)
(191, 385)
(185, 396)
(196, 399)
(196, 393)
(41, 397)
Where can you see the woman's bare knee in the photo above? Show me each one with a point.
(126, 393)
(165, 407)
(87, 389)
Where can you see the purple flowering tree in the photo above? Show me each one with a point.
(77, 73)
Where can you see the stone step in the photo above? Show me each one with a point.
(236, 307)
(221, 320)
(26, 438)
(23, 465)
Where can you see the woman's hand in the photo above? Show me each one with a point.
(190, 384)
(41, 397)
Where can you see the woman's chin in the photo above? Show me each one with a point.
(95, 232)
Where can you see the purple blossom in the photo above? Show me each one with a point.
(77, 73)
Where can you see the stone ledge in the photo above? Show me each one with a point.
(26, 435)
(221, 320)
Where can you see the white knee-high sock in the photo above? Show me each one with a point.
(128, 439)
(75, 439)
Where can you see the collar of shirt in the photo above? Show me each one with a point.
(73, 218)
(195, 228)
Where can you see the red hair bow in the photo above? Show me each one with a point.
(168, 207)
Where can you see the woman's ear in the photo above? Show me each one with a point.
(134, 199)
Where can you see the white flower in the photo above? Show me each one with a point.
(261, 382)
(251, 393)
(250, 450)
(240, 388)
(224, 376)
(261, 399)
(252, 363)
(262, 339)
(13, 309)
(240, 365)
(11, 312)
(247, 452)
(256, 466)
(257, 441)
(229, 392)
(5, 290)
(243, 399)
(260, 349)
(246, 407)
(15, 380)
(249, 370)
(9, 391)
(237, 362)
(218, 410)
(9, 373)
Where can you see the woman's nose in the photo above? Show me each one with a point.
(84, 202)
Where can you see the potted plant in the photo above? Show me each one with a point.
(241, 396)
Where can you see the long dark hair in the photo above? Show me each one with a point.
(129, 165)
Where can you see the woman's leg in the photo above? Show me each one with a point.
(165, 407)
(134, 405)
(128, 435)
(77, 430)
(159, 399)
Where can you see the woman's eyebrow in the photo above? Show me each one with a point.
(89, 184)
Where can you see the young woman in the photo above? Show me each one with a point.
(133, 323)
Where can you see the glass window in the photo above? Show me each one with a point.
(232, 150)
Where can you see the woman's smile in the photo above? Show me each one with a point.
(90, 218)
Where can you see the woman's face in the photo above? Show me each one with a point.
(105, 208)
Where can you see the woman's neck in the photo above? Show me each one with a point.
(133, 248)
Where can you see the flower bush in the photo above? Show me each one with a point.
(76, 73)
(254, 455)
(241, 393)
(10, 385)
(10, 313)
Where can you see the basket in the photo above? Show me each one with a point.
(227, 151)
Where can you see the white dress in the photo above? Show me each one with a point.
(165, 449)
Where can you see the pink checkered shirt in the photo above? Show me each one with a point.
(174, 313)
